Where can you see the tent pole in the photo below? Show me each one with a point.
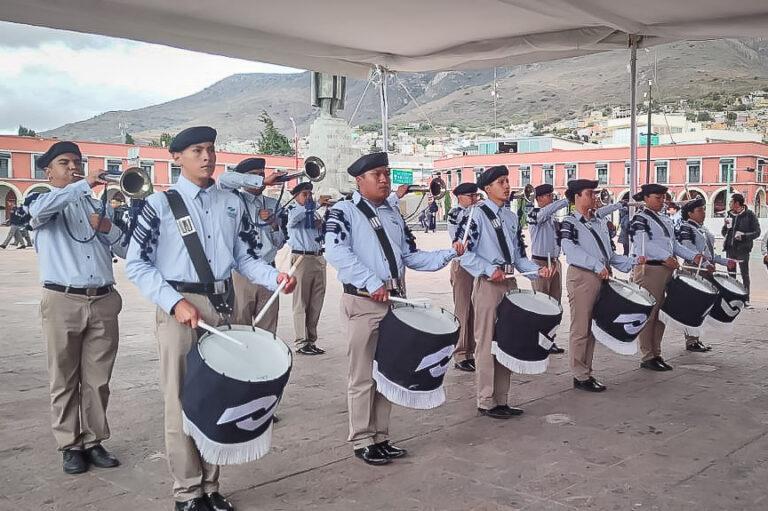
(384, 109)
(633, 40)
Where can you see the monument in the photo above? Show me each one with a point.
(330, 137)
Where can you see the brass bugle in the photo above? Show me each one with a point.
(527, 193)
(134, 182)
(606, 197)
(314, 170)
(436, 187)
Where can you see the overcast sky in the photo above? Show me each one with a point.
(53, 77)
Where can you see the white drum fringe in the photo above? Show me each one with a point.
(228, 454)
(418, 399)
(516, 365)
(694, 331)
(620, 347)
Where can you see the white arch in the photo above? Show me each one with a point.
(762, 212)
(19, 195)
(37, 186)
(696, 189)
(711, 203)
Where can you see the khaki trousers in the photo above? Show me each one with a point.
(249, 299)
(552, 286)
(492, 378)
(654, 279)
(308, 298)
(192, 476)
(583, 290)
(462, 283)
(81, 334)
(368, 410)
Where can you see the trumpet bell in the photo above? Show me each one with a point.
(134, 182)
(528, 193)
(314, 169)
(436, 187)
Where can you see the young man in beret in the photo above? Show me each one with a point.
(163, 269)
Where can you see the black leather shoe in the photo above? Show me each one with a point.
(390, 451)
(318, 351)
(511, 410)
(307, 350)
(100, 457)
(698, 347)
(198, 504)
(217, 502)
(372, 455)
(556, 350)
(590, 385)
(465, 365)
(500, 412)
(74, 462)
(664, 364)
(653, 364)
(275, 419)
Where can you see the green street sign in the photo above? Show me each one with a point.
(402, 177)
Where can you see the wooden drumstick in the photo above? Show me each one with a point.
(276, 293)
(418, 302)
(469, 223)
(215, 331)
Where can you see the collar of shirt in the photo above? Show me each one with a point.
(578, 216)
(190, 189)
(493, 206)
(357, 197)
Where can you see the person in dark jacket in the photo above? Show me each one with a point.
(624, 229)
(741, 228)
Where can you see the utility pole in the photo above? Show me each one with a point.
(648, 138)
(494, 93)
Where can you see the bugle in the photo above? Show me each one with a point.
(314, 170)
(134, 182)
(526, 193)
(605, 197)
(436, 187)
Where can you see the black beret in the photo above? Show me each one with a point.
(650, 188)
(543, 189)
(190, 136)
(465, 189)
(688, 208)
(307, 185)
(577, 185)
(55, 150)
(491, 174)
(368, 162)
(250, 164)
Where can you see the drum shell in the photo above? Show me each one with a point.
(734, 302)
(687, 305)
(611, 306)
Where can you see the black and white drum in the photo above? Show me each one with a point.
(620, 313)
(731, 299)
(413, 353)
(231, 392)
(689, 298)
(525, 328)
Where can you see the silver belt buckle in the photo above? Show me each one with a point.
(91, 291)
(220, 287)
(509, 269)
(392, 284)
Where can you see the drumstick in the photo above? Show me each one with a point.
(698, 269)
(469, 222)
(215, 331)
(417, 302)
(687, 267)
(280, 287)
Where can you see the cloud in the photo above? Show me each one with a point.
(16, 35)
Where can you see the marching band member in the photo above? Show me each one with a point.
(494, 254)
(652, 235)
(259, 216)
(370, 246)
(79, 306)
(171, 251)
(461, 282)
(586, 243)
(544, 247)
(305, 238)
(692, 233)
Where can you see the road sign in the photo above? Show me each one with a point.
(402, 177)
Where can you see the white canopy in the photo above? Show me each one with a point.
(350, 36)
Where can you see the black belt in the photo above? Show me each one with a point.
(302, 252)
(83, 291)
(352, 290)
(542, 258)
(216, 288)
(655, 262)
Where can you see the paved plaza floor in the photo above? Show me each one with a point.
(695, 438)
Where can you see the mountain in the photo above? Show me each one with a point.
(557, 89)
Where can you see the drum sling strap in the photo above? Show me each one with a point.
(656, 219)
(496, 223)
(195, 249)
(600, 245)
(386, 246)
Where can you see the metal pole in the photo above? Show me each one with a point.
(633, 40)
(648, 138)
(384, 109)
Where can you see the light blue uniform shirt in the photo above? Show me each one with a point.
(484, 255)
(351, 245)
(654, 242)
(455, 217)
(301, 237)
(698, 239)
(157, 252)
(581, 249)
(270, 235)
(63, 260)
(543, 229)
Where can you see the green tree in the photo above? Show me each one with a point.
(703, 116)
(166, 139)
(271, 141)
(26, 132)
(129, 139)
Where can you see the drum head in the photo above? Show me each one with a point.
(264, 357)
(697, 283)
(730, 284)
(632, 292)
(431, 320)
(537, 303)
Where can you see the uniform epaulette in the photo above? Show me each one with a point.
(639, 223)
(568, 230)
(337, 224)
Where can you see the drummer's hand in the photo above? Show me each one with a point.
(732, 263)
(498, 276)
(186, 313)
(709, 268)
(401, 191)
(546, 272)
(699, 259)
(290, 285)
(380, 295)
(274, 178)
(458, 247)
(671, 263)
(604, 274)
(642, 260)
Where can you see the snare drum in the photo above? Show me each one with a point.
(525, 329)
(413, 352)
(231, 392)
(688, 300)
(619, 315)
(732, 296)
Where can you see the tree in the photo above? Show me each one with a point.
(166, 140)
(271, 141)
(26, 132)
(703, 116)
(129, 139)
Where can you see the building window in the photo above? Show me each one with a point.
(571, 172)
(5, 164)
(602, 173)
(458, 177)
(525, 175)
(37, 171)
(175, 173)
(726, 168)
(114, 166)
(760, 175)
(662, 171)
(149, 168)
(694, 171)
(549, 174)
(627, 172)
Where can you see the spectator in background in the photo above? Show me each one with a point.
(740, 229)
(16, 221)
(624, 229)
